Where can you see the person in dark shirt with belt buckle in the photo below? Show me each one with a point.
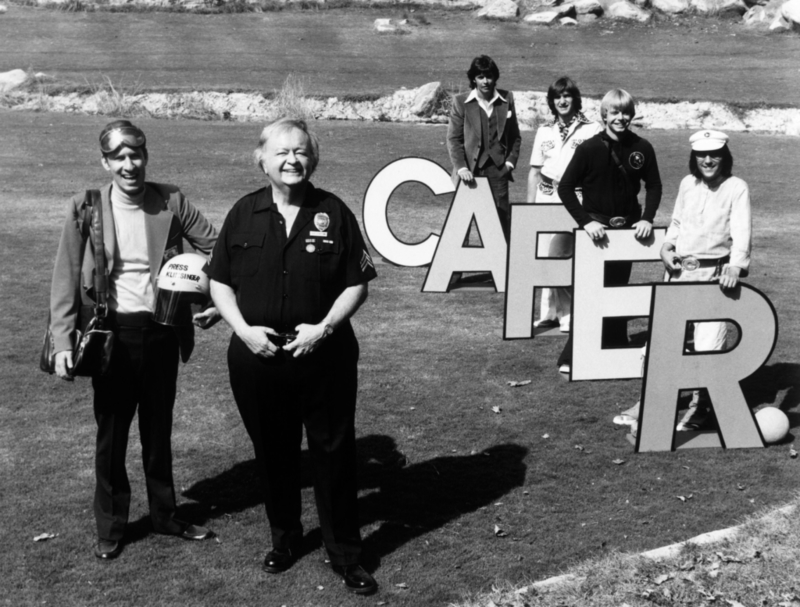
(610, 168)
(289, 270)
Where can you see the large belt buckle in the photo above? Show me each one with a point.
(617, 222)
(690, 263)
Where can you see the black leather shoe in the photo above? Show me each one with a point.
(107, 549)
(196, 533)
(186, 531)
(356, 579)
(278, 560)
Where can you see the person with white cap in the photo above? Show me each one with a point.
(708, 239)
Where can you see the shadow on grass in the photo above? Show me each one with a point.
(405, 499)
(766, 383)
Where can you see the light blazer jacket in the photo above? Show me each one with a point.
(464, 131)
(169, 218)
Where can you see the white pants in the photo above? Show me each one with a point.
(556, 303)
(708, 336)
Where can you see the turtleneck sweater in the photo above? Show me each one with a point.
(130, 288)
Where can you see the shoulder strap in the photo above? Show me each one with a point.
(86, 219)
(620, 166)
(616, 159)
(100, 272)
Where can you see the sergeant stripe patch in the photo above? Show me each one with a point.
(366, 261)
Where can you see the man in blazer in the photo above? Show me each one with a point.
(144, 225)
(483, 137)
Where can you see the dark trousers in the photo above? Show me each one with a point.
(498, 181)
(615, 330)
(143, 372)
(276, 398)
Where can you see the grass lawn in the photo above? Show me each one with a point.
(336, 52)
(438, 468)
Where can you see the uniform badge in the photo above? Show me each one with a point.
(322, 221)
(636, 160)
(310, 248)
(547, 145)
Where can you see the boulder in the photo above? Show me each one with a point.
(732, 8)
(790, 11)
(628, 11)
(755, 15)
(499, 9)
(12, 79)
(543, 18)
(551, 16)
(587, 18)
(671, 7)
(425, 100)
(718, 7)
(567, 21)
(588, 7)
(779, 24)
(641, 3)
(385, 26)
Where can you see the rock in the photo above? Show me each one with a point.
(641, 3)
(791, 13)
(793, 127)
(671, 7)
(588, 18)
(732, 8)
(499, 9)
(12, 79)
(779, 24)
(718, 7)
(425, 100)
(543, 18)
(548, 17)
(755, 15)
(588, 7)
(566, 10)
(385, 26)
(3, 8)
(630, 12)
(567, 21)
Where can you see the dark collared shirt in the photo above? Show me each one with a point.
(281, 282)
(606, 189)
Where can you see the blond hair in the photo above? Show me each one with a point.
(620, 100)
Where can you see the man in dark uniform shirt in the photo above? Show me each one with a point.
(289, 269)
(610, 168)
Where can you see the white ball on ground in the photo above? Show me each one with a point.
(773, 423)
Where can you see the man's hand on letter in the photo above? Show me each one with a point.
(595, 230)
(729, 277)
(643, 229)
(466, 175)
